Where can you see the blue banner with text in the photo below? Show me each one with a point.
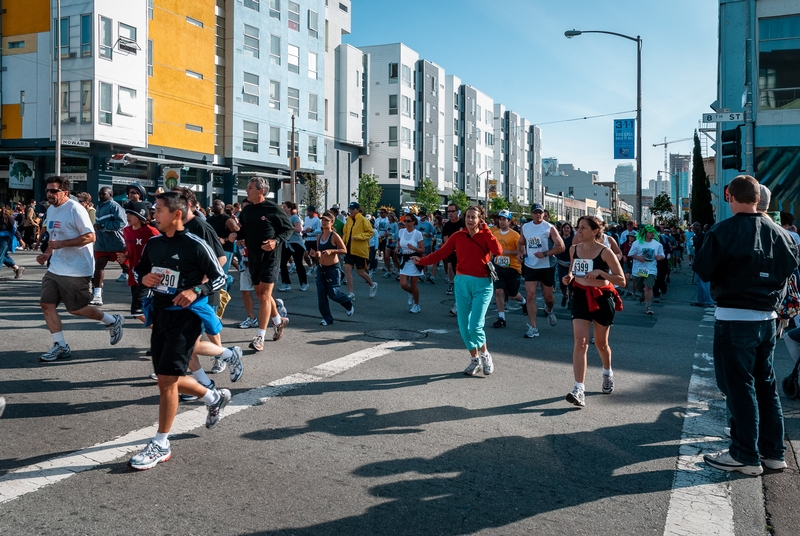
(624, 139)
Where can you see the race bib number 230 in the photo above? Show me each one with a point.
(169, 280)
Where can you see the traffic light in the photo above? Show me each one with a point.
(732, 148)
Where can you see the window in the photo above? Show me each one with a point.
(86, 36)
(392, 104)
(343, 7)
(274, 95)
(294, 101)
(106, 41)
(312, 66)
(150, 9)
(106, 105)
(251, 44)
(126, 101)
(434, 84)
(313, 104)
(64, 37)
(194, 22)
(406, 133)
(489, 139)
(149, 116)
(194, 128)
(427, 170)
(294, 16)
(86, 101)
(250, 92)
(294, 59)
(455, 153)
(392, 136)
(455, 100)
(455, 127)
(252, 4)
(393, 73)
(313, 24)
(406, 109)
(16, 44)
(250, 137)
(778, 57)
(434, 145)
(479, 113)
(406, 169)
(427, 112)
(406, 70)
(274, 141)
(275, 49)
(149, 57)
(128, 32)
(312, 148)
(65, 102)
(194, 74)
(275, 9)
(393, 168)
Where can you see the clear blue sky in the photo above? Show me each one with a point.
(515, 51)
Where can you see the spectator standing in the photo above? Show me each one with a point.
(109, 223)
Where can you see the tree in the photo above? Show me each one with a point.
(369, 193)
(428, 196)
(459, 199)
(662, 207)
(701, 188)
(315, 191)
(497, 204)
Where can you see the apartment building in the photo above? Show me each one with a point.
(429, 135)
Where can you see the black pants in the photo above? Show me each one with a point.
(295, 251)
(661, 278)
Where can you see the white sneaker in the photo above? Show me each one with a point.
(486, 361)
(577, 397)
(248, 323)
(351, 296)
(373, 290)
(304, 287)
(284, 288)
(410, 299)
(415, 308)
(454, 311)
(123, 278)
(97, 300)
(725, 462)
(351, 311)
(532, 332)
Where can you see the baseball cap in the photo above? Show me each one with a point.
(353, 205)
(504, 214)
(140, 209)
(535, 207)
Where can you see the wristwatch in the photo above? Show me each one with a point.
(198, 291)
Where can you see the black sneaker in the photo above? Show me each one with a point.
(500, 323)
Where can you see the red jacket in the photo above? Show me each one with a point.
(472, 252)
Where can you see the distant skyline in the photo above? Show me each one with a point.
(515, 51)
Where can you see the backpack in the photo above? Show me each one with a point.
(791, 302)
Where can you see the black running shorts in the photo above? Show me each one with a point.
(172, 340)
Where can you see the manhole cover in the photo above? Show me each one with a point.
(396, 334)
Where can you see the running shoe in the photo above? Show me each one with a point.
(608, 384)
(656, 300)
(292, 268)
(219, 365)
(351, 311)
(154, 376)
(191, 398)
(551, 317)
(304, 287)
(123, 278)
(775, 465)
(450, 288)
(56, 352)
(486, 362)
(474, 368)
(97, 300)
(279, 330)
(248, 323)
(284, 288)
(2, 405)
(257, 343)
(373, 290)
(115, 329)
(453, 311)
(281, 310)
(215, 409)
(432, 279)
(150, 456)
(500, 323)
(725, 462)
(18, 272)
(648, 311)
(387, 275)
(410, 299)
(237, 369)
(324, 323)
(532, 332)
(415, 308)
(577, 397)
(351, 296)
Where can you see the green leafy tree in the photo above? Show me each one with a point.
(369, 193)
(662, 207)
(460, 199)
(315, 191)
(701, 188)
(428, 196)
(497, 204)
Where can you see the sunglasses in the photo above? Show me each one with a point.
(53, 190)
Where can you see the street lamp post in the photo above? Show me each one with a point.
(486, 191)
(569, 34)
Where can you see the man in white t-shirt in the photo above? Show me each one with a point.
(646, 251)
(538, 241)
(69, 277)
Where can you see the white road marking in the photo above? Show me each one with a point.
(34, 477)
(700, 501)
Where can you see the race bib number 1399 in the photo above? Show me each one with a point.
(169, 280)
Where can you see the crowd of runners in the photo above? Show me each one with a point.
(177, 259)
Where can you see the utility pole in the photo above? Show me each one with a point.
(292, 165)
(58, 87)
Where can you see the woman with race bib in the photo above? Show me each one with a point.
(594, 270)
(646, 252)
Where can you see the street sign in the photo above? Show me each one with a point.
(647, 200)
(71, 142)
(723, 118)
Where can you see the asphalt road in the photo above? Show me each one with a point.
(398, 442)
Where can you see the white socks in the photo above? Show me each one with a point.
(161, 440)
(227, 354)
(580, 386)
(108, 319)
(58, 338)
(608, 372)
(276, 321)
(211, 397)
(98, 291)
(201, 377)
(501, 315)
(262, 333)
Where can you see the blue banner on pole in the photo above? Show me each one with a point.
(624, 145)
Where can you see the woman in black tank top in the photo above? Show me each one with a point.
(329, 246)
(594, 270)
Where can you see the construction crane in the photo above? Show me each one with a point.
(665, 143)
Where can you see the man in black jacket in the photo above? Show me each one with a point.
(748, 259)
(264, 226)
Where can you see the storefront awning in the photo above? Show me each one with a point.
(128, 158)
